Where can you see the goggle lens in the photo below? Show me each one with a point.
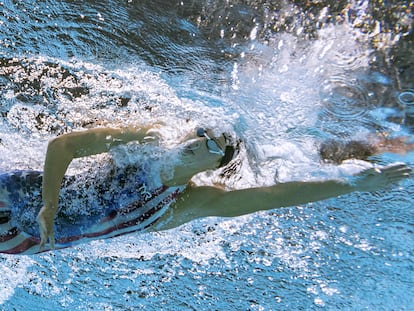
(212, 145)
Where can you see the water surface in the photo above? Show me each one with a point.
(284, 76)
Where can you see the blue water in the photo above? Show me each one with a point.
(282, 75)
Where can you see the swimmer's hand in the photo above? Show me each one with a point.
(45, 221)
(375, 178)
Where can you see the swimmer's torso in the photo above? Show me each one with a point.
(100, 203)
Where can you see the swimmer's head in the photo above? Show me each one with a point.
(205, 147)
(227, 153)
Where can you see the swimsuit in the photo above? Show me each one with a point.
(92, 206)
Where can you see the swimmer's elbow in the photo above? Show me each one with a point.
(59, 146)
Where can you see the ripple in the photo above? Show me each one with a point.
(406, 98)
(349, 57)
(344, 98)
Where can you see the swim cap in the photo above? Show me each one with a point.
(231, 151)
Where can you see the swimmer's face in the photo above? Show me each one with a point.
(205, 152)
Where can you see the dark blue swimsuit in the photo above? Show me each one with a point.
(91, 206)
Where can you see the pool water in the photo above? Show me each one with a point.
(284, 76)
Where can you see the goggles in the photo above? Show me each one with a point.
(212, 145)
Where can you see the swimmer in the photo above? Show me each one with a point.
(131, 199)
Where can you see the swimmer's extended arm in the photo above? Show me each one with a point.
(63, 149)
(209, 201)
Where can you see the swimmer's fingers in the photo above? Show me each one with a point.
(45, 221)
(52, 239)
(44, 234)
(44, 237)
(397, 172)
(376, 178)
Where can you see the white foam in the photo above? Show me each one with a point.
(13, 271)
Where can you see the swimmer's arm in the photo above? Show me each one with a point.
(63, 149)
(206, 201)
(397, 145)
(209, 201)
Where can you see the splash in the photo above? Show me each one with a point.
(13, 273)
